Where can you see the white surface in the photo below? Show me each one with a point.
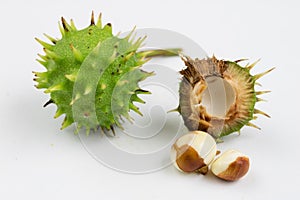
(38, 161)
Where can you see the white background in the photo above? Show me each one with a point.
(38, 161)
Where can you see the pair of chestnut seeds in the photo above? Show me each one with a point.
(196, 152)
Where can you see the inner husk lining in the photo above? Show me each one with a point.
(218, 96)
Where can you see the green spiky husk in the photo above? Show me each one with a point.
(93, 76)
(240, 113)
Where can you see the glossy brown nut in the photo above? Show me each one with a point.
(231, 165)
(193, 152)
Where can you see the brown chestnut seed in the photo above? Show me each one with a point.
(188, 159)
(193, 152)
(231, 165)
